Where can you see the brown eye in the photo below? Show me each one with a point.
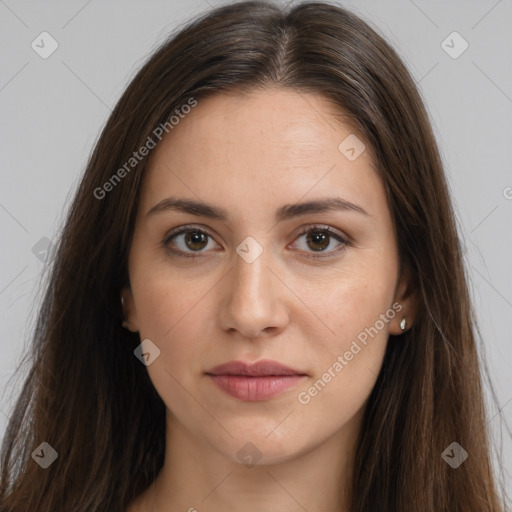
(318, 240)
(187, 241)
(196, 240)
(321, 240)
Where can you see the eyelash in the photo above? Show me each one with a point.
(321, 255)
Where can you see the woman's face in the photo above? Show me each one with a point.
(266, 266)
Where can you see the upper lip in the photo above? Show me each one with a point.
(258, 369)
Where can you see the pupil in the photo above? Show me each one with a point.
(317, 237)
(195, 237)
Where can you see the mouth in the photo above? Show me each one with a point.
(254, 382)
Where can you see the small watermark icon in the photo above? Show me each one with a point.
(249, 249)
(44, 455)
(147, 352)
(454, 455)
(352, 147)
(42, 248)
(44, 45)
(507, 192)
(249, 455)
(454, 45)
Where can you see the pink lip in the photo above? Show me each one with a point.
(254, 382)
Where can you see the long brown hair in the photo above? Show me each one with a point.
(86, 394)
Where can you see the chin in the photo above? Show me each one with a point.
(258, 448)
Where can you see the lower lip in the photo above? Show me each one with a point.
(253, 389)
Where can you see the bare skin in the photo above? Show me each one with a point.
(250, 155)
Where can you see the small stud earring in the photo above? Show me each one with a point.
(403, 324)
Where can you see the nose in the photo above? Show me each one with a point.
(254, 299)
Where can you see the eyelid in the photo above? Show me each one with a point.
(323, 227)
(185, 228)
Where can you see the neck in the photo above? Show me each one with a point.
(196, 477)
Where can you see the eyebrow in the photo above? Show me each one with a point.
(286, 212)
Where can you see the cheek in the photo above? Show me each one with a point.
(357, 307)
(350, 300)
(164, 301)
(174, 316)
(345, 364)
(169, 312)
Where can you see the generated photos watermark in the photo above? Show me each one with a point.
(305, 397)
(143, 151)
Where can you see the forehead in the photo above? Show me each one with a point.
(270, 143)
(263, 120)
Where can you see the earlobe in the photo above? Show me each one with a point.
(406, 297)
(401, 321)
(128, 308)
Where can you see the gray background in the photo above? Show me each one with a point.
(52, 110)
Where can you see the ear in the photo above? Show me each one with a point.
(129, 313)
(406, 297)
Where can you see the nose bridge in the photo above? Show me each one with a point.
(251, 275)
(252, 303)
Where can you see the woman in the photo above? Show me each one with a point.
(258, 300)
